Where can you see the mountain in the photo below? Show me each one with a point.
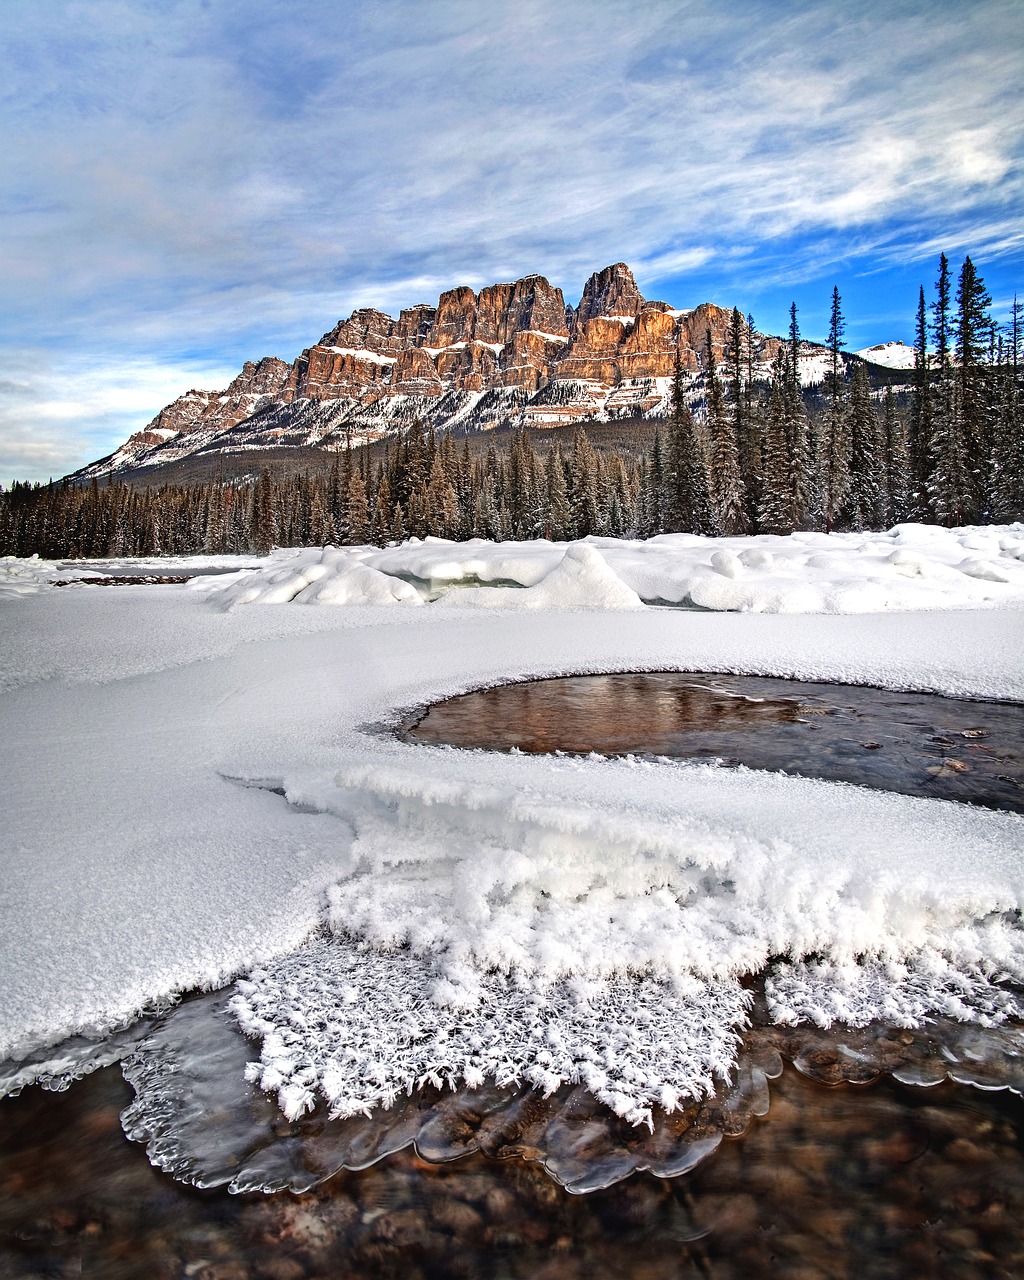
(512, 354)
(890, 355)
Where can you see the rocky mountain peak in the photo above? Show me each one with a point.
(611, 292)
(512, 353)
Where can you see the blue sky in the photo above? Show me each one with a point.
(191, 183)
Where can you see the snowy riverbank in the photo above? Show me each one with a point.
(191, 788)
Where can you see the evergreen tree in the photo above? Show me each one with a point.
(689, 501)
(357, 510)
(973, 337)
(653, 499)
(775, 510)
(897, 495)
(267, 513)
(1007, 459)
(583, 496)
(797, 436)
(949, 483)
(559, 517)
(725, 487)
(920, 435)
(834, 441)
(864, 506)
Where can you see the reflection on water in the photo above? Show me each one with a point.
(918, 744)
(876, 1180)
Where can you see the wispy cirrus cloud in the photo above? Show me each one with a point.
(191, 181)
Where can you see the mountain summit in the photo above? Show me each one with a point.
(511, 354)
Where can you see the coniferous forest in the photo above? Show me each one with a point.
(754, 453)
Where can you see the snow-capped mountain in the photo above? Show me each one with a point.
(512, 354)
(891, 355)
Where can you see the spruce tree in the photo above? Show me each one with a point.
(583, 495)
(920, 433)
(949, 482)
(834, 441)
(775, 509)
(973, 330)
(654, 499)
(724, 472)
(864, 506)
(897, 495)
(689, 502)
(559, 517)
(797, 436)
(1007, 460)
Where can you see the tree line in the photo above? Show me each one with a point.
(752, 454)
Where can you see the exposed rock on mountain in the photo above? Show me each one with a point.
(512, 353)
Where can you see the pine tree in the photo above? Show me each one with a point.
(357, 510)
(559, 517)
(948, 484)
(380, 526)
(689, 501)
(834, 442)
(863, 506)
(897, 464)
(775, 510)
(1007, 461)
(583, 494)
(920, 435)
(651, 495)
(973, 336)
(266, 513)
(797, 433)
(725, 486)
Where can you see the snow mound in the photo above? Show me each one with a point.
(580, 580)
(329, 576)
(358, 584)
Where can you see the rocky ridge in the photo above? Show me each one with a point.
(513, 353)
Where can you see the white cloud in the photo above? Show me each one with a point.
(58, 412)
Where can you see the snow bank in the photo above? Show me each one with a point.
(909, 567)
(580, 580)
(190, 793)
(20, 576)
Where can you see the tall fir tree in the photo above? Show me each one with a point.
(973, 339)
(920, 430)
(724, 471)
(689, 500)
(864, 505)
(897, 488)
(775, 510)
(949, 481)
(801, 447)
(834, 439)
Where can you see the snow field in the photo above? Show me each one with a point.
(194, 791)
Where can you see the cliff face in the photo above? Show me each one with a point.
(510, 353)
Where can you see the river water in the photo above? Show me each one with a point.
(916, 743)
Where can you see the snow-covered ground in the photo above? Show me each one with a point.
(196, 788)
